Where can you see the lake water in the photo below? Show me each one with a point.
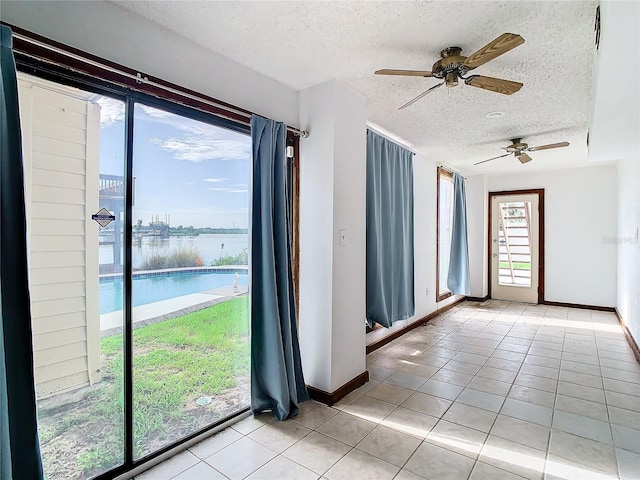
(209, 247)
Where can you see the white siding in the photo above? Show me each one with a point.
(60, 140)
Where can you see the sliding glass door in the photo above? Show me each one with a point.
(138, 257)
(190, 275)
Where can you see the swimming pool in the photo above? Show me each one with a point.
(162, 286)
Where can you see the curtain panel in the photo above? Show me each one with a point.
(19, 446)
(458, 280)
(277, 382)
(389, 256)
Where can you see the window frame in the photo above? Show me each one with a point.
(441, 173)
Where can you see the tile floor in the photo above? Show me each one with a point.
(485, 391)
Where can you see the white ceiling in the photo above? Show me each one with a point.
(304, 43)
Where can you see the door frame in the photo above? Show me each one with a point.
(534, 191)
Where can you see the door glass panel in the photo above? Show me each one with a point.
(73, 145)
(514, 238)
(190, 276)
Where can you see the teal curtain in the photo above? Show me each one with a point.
(458, 280)
(390, 295)
(277, 382)
(19, 446)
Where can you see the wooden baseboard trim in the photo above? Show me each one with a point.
(418, 323)
(332, 398)
(477, 299)
(579, 305)
(627, 334)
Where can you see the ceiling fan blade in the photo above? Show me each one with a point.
(524, 158)
(494, 158)
(551, 145)
(502, 44)
(406, 73)
(498, 85)
(411, 102)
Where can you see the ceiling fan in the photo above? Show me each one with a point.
(453, 65)
(519, 149)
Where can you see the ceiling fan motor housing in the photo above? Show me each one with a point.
(449, 66)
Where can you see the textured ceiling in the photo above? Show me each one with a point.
(304, 43)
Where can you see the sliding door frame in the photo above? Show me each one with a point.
(60, 75)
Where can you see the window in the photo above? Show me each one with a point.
(444, 224)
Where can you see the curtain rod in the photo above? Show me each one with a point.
(389, 136)
(451, 170)
(140, 79)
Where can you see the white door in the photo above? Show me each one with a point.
(514, 247)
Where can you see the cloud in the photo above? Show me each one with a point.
(216, 180)
(242, 185)
(229, 189)
(155, 113)
(111, 111)
(199, 149)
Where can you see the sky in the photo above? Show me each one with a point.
(197, 174)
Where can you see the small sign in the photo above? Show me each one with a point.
(103, 217)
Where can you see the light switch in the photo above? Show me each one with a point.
(343, 238)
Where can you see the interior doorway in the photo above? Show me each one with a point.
(516, 252)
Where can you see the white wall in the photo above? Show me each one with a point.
(580, 225)
(105, 29)
(628, 301)
(477, 218)
(424, 221)
(332, 198)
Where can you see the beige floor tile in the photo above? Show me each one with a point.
(389, 445)
(627, 418)
(583, 451)
(358, 464)
(484, 471)
(520, 431)
(578, 406)
(390, 393)
(475, 398)
(410, 422)
(200, 471)
(457, 438)
(527, 411)
(628, 463)
(347, 428)
(370, 408)
(626, 438)
(434, 462)
(428, 404)
(313, 414)
(441, 389)
(215, 443)
(513, 457)
(241, 458)
(171, 467)
(279, 436)
(532, 395)
(489, 386)
(317, 452)
(469, 416)
(580, 391)
(282, 468)
(450, 376)
(558, 468)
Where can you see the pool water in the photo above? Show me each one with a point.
(156, 288)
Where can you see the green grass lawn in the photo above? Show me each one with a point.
(205, 353)
(516, 265)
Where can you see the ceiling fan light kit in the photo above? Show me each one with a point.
(453, 66)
